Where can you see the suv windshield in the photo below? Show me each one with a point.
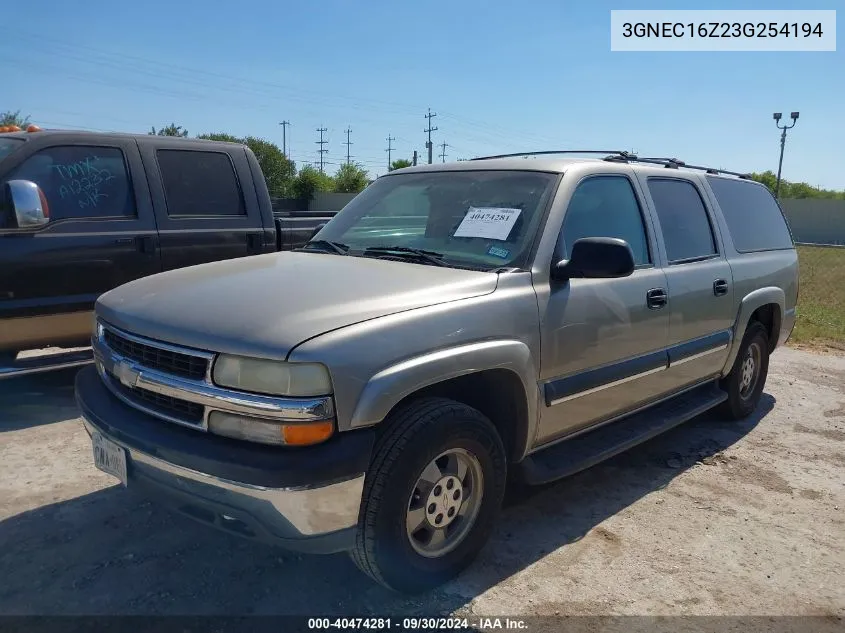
(475, 219)
(8, 145)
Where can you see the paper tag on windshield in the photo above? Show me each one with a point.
(488, 222)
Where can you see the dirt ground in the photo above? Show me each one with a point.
(711, 518)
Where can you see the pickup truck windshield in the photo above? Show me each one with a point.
(8, 145)
(477, 219)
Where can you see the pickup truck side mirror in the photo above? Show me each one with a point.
(317, 229)
(28, 203)
(596, 258)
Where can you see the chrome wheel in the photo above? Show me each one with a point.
(444, 503)
(750, 370)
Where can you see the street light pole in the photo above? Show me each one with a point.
(777, 116)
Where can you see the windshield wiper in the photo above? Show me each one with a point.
(432, 257)
(326, 246)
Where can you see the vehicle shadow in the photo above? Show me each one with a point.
(112, 552)
(37, 399)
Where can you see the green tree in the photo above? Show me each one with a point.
(309, 181)
(350, 178)
(792, 190)
(170, 130)
(277, 168)
(220, 136)
(399, 163)
(14, 118)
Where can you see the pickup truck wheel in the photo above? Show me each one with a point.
(431, 496)
(747, 378)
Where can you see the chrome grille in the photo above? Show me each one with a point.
(164, 406)
(164, 360)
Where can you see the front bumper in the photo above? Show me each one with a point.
(304, 499)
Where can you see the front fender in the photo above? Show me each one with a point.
(751, 302)
(388, 387)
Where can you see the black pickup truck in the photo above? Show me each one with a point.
(82, 213)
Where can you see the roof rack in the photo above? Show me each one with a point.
(610, 152)
(674, 163)
(622, 156)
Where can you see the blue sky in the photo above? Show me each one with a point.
(502, 76)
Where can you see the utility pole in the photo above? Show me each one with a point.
(321, 142)
(429, 130)
(285, 125)
(444, 145)
(415, 158)
(776, 116)
(348, 143)
(389, 150)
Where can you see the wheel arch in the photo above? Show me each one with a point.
(496, 377)
(765, 305)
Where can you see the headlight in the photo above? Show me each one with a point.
(276, 378)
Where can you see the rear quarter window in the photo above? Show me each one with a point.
(753, 217)
(200, 184)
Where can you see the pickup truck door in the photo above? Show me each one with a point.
(101, 234)
(699, 280)
(603, 340)
(205, 202)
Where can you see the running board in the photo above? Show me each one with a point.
(46, 362)
(568, 457)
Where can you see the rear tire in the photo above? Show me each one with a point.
(744, 384)
(431, 496)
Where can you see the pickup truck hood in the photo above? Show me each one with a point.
(265, 305)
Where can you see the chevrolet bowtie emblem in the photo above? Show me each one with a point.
(126, 374)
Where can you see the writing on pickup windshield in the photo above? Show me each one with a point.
(83, 181)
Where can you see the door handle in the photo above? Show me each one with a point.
(656, 298)
(145, 243)
(720, 287)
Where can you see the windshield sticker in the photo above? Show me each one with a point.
(498, 251)
(488, 222)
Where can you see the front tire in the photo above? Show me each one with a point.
(744, 384)
(431, 496)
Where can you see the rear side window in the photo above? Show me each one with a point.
(200, 183)
(683, 219)
(80, 182)
(753, 217)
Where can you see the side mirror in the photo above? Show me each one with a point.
(317, 229)
(596, 258)
(28, 203)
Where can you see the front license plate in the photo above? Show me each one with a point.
(109, 457)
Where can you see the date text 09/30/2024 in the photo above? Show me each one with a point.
(417, 624)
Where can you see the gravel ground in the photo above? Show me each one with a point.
(711, 518)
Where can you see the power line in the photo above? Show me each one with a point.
(190, 75)
(430, 129)
(321, 142)
(348, 143)
(389, 150)
(444, 145)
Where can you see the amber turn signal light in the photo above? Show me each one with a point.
(306, 434)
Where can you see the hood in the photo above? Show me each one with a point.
(265, 305)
